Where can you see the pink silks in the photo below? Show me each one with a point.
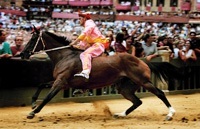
(86, 57)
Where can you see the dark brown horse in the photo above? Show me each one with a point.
(127, 71)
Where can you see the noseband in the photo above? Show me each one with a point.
(43, 44)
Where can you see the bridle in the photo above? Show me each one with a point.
(47, 50)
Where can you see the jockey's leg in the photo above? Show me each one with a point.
(86, 57)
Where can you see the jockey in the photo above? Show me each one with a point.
(93, 42)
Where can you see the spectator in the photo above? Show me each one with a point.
(1, 25)
(195, 43)
(130, 48)
(125, 31)
(5, 51)
(139, 50)
(171, 45)
(188, 53)
(118, 44)
(109, 51)
(166, 44)
(18, 47)
(133, 42)
(150, 46)
(110, 35)
(178, 46)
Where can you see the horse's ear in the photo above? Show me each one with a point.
(35, 30)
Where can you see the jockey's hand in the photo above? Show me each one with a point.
(78, 47)
(71, 44)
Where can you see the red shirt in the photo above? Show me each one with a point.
(119, 47)
(16, 49)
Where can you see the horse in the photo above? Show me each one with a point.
(128, 72)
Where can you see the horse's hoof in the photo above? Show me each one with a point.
(168, 118)
(119, 115)
(31, 115)
(115, 116)
(34, 105)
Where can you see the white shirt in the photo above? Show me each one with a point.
(188, 53)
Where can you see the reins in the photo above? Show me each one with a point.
(48, 50)
(53, 49)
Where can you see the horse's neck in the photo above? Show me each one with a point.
(63, 54)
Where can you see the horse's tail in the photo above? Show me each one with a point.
(166, 71)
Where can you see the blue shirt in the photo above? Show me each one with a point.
(150, 50)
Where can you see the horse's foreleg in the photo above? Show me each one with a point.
(35, 96)
(50, 95)
(127, 89)
(53, 91)
(160, 94)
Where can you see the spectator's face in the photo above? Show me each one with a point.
(165, 41)
(182, 42)
(187, 45)
(170, 39)
(180, 46)
(109, 33)
(176, 38)
(129, 41)
(125, 31)
(152, 38)
(3, 36)
(19, 41)
(192, 35)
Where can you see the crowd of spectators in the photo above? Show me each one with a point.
(144, 39)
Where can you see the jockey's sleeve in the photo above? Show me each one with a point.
(89, 27)
(81, 37)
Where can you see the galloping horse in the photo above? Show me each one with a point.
(132, 72)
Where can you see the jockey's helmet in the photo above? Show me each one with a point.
(86, 15)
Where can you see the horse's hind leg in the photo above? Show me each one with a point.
(160, 94)
(136, 103)
(127, 89)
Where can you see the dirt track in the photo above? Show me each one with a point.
(96, 115)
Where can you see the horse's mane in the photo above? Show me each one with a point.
(61, 39)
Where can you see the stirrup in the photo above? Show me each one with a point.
(82, 75)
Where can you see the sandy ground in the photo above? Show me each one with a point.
(97, 115)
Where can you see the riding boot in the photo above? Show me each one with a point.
(84, 73)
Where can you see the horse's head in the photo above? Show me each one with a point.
(39, 42)
(27, 51)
